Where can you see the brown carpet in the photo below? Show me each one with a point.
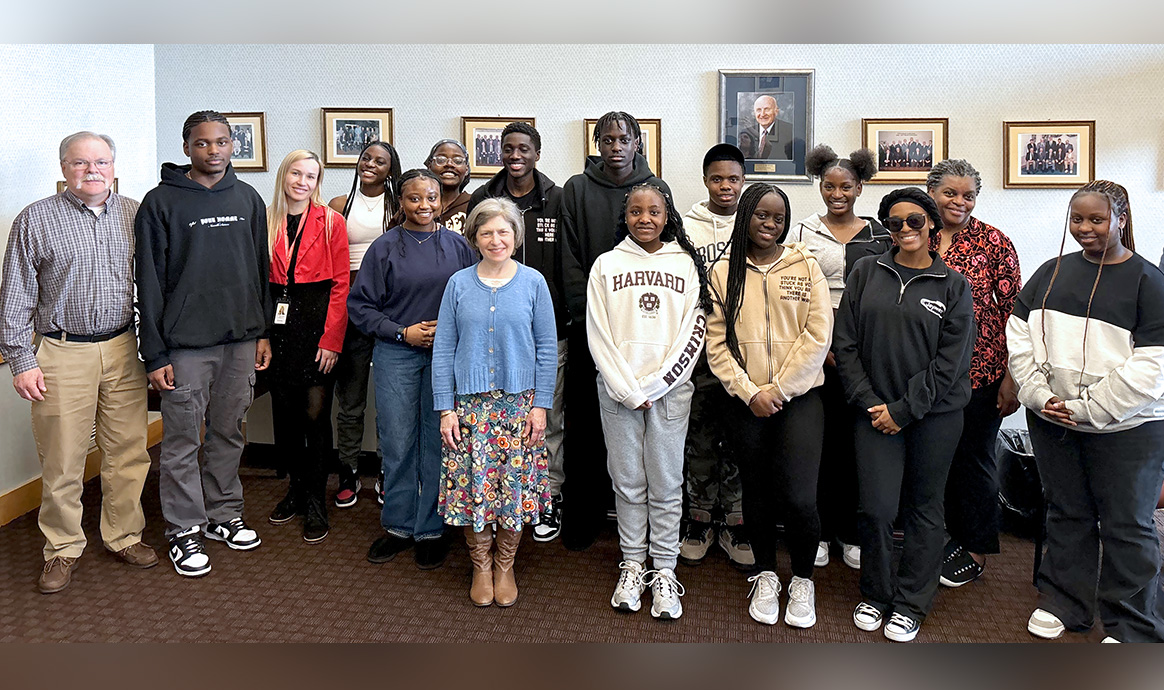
(290, 591)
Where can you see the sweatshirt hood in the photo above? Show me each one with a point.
(629, 246)
(873, 230)
(596, 171)
(542, 184)
(174, 175)
(794, 253)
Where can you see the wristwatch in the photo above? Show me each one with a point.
(400, 333)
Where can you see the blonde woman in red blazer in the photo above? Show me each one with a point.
(309, 285)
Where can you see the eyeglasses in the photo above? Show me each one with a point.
(441, 160)
(101, 164)
(917, 221)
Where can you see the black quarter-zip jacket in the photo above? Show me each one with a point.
(905, 342)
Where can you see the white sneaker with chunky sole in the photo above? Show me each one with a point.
(629, 590)
(822, 554)
(665, 593)
(765, 605)
(1045, 624)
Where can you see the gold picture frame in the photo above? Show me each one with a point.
(482, 137)
(652, 141)
(1049, 154)
(248, 131)
(347, 130)
(905, 148)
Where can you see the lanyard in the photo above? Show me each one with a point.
(293, 253)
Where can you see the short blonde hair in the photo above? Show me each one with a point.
(489, 209)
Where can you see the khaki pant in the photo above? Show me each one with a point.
(91, 382)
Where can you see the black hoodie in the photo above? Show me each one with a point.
(591, 204)
(201, 265)
(541, 248)
(905, 343)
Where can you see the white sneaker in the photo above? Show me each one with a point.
(901, 628)
(851, 554)
(867, 617)
(1109, 640)
(822, 554)
(665, 593)
(188, 554)
(629, 590)
(1045, 624)
(801, 611)
(765, 594)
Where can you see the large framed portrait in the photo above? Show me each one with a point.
(906, 149)
(482, 136)
(651, 141)
(346, 131)
(248, 132)
(768, 114)
(1048, 155)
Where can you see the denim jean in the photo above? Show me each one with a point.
(410, 440)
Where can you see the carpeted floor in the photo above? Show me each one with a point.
(290, 591)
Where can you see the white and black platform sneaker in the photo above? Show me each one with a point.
(234, 533)
(188, 554)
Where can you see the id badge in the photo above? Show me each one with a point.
(281, 311)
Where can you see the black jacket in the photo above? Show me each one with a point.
(541, 248)
(905, 343)
(591, 204)
(201, 265)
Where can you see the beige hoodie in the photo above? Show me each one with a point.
(784, 329)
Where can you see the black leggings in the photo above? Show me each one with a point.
(972, 512)
(779, 460)
(836, 496)
(302, 427)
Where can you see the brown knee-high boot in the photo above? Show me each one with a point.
(504, 585)
(481, 553)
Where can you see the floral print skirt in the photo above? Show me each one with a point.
(491, 477)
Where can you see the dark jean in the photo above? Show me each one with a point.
(972, 511)
(351, 392)
(1101, 491)
(410, 440)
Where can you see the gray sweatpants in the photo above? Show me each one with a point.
(212, 385)
(645, 461)
(556, 424)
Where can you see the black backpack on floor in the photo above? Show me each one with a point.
(1020, 491)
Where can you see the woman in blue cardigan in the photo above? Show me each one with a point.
(493, 370)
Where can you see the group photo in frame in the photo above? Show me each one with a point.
(768, 115)
(1048, 155)
(346, 131)
(482, 136)
(905, 148)
(248, 133)
(651, 141)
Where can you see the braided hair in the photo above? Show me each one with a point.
(391, 184)
(672, 231)
(613, 118)
(405, 178)
(200, 117)
(737, 260)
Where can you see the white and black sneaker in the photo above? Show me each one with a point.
(234, 533)
(867, 616)
(629, 590)
(188, 553)
(901, 628)
(550, 523)
(665, 593)
(380, 489)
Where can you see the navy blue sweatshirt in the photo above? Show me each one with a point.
(401, 282)
(905, 342)
(201, 265)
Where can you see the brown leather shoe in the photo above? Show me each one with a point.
(481, 553)
(504, 584)
(139, 555)
(56, 574)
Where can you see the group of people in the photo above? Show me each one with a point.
(1050, 154)
(542, 354)
(905, 154)
(487, 146)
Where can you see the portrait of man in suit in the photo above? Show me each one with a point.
(768, 136)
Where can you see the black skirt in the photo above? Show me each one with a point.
(295, 343)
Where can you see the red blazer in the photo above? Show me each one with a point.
(320, 258)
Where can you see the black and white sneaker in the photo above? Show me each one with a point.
(188, 554)
(550, 523)
(901, 628)
(380, 489)
(959, 567)
(234, 533)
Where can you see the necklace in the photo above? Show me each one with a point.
(369, 202)
(430, 235)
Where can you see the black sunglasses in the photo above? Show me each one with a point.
(917, 221)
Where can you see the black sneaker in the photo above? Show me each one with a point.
(285, 511)
(234, 533)
(386, 547)
(349, 490)
(550, 523)
(315, 523)
(188, 554)
(959, 567)
(431, 553)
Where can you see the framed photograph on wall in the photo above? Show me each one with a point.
(248, 131)
(1048, 155)
(482, 136)
(346, 131)
(652, 141)
(906, 149)
(768, 114)
(61, 185)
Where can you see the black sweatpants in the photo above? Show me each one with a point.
(837, 489)
(1101, 489)
(301, 422)
(972, 512)
(587, 492)
(779, 460)
(907, 471)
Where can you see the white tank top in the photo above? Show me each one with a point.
(365, 224)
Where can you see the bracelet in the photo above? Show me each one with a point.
(445, 413)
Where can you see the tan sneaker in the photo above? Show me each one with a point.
(139, 555)
(56, 574)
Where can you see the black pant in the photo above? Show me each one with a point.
(907, 471)
(1101, 489)
(779, 459)
(972, 512)
(351, 391)
(301, 421)
(837, 489)
(587, 492)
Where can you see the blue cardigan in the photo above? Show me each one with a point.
(495, 338)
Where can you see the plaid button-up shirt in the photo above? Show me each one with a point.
(66, 269)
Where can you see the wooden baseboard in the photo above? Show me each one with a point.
(26, 498)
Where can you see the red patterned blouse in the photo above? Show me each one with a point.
(987, 258)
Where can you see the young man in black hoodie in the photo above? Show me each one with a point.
(202, 267)
(591, 203)
(540, 201)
